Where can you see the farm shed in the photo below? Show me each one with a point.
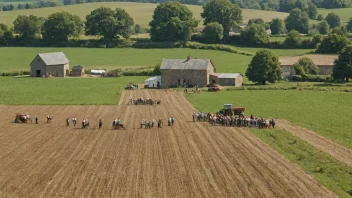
(325, 63)
(78, 70)
(230, 79)
(191, 72)
(152, 82)
(56, 64)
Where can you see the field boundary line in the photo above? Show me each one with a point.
(337, 151)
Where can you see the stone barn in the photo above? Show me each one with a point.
(77, 70)
(179, 72)
(55, 64)
(325, 63)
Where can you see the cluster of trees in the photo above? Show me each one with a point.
(308, 6)
(265, 67)
(38, 4)
(60, 26)
(173, 21)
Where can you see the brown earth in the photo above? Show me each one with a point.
(186, 160)
(339, 152)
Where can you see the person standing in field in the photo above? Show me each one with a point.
(153, 122)
(172, 121)
(36, 119)
(100, 124)
(67, 122)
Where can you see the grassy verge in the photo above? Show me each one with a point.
(63, 91)
(327, 113)
(327, 171)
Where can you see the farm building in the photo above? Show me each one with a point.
(77, 70)
(193, 72)
(56, 64)
(177, 72)
(325, 63)
(153, 82)
(227, 79)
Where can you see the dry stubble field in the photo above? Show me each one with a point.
(186, 160)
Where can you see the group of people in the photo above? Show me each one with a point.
(150, 124)
(200, 116)
(148, 101)
(241, 121)
(85, 122)
(233, 121)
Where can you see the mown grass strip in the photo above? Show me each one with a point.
(332, 174)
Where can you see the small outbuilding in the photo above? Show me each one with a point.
(227, 79)
(78, 70)
(55, 64)
(153, 82)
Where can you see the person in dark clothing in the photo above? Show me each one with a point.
(172, 121)
(100, 124)
(67, 122)
(36, 119)
(272, 123)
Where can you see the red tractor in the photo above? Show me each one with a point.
(229, 111)
(22, 118)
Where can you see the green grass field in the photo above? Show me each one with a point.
(141, 12)
(20, 58)
(344, 13)
(326, 170)
(327, 113)
(63, 91)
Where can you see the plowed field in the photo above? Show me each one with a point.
(185, 160)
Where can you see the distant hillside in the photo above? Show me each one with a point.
(141, 12)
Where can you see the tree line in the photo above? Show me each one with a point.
(309, 6)
(174, 22)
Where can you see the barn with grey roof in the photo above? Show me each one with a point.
(55, 64)
(195, 72)
(178, 72)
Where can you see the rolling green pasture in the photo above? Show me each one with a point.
(327, 113)
(63, 91)
(141, 12)
(327, 171)
(344, 13)
(14, 58)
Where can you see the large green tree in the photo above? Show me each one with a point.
(312, 10)
(297, 20)
(333, 43)
(254, 35)
(172, 21)
(213, 32)
(277, 26)
(109, 23)
(333, 20)
(323, 27)
(304, 66)
(28, 27)
(60, 26)
(223, 12)
(264, 66)
(293, 39)
(343, 65)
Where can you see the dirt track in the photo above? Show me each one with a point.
(337, 151)
(186, 160)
